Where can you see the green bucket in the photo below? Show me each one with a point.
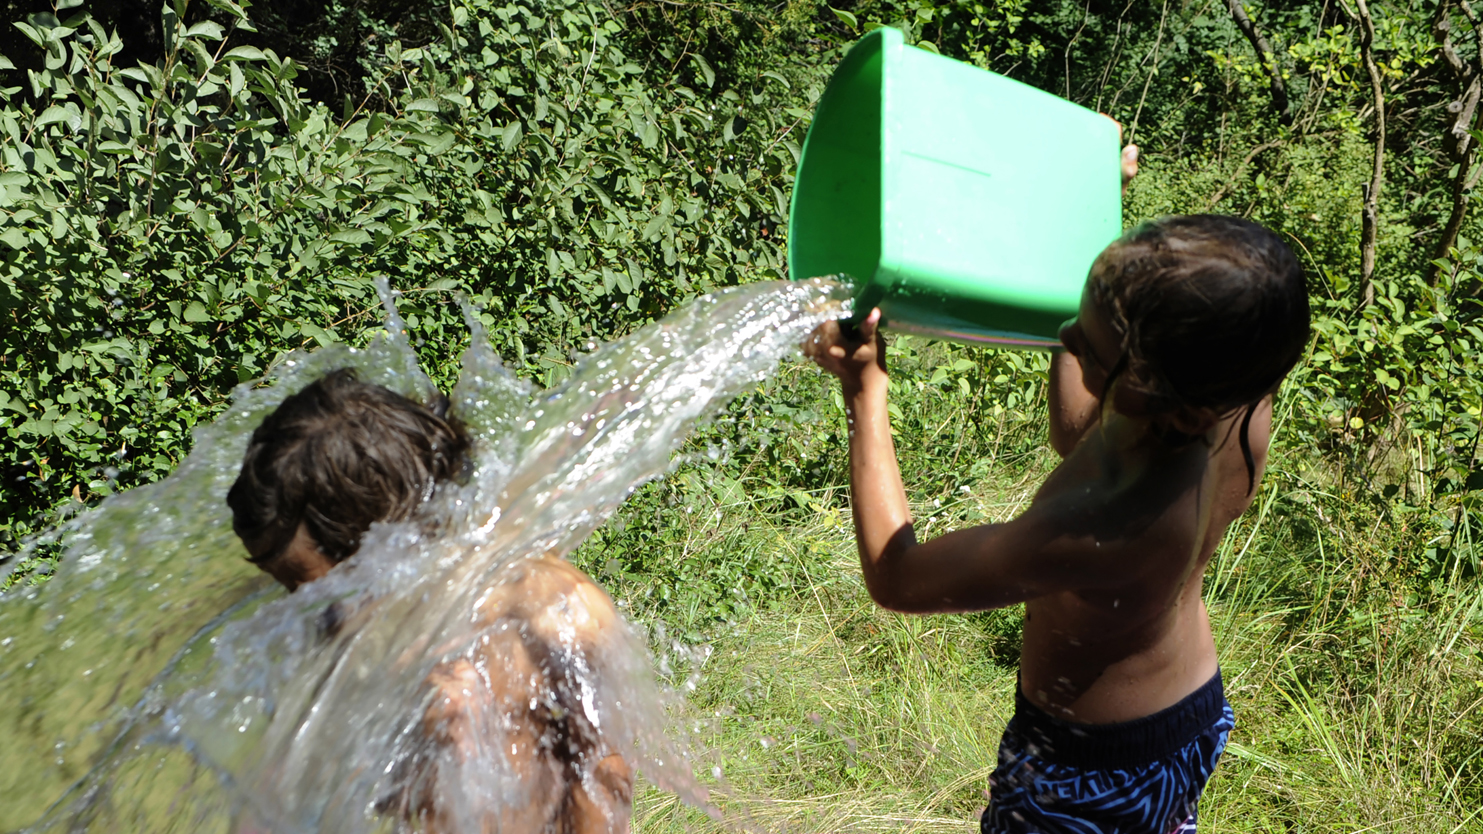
(967, 206)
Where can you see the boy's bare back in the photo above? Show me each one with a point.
(541, 622)
(1141, 641)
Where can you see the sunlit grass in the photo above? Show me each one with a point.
(827, 714)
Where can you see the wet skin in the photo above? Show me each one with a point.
(300, 560)
(1108, 557)
(539, 623)
(542, 619)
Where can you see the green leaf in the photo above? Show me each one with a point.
(196, 312)
(205, 61)
(654, 226)
(424, 105)
(245, 53)
(53, 114)
(15, 178)
(32, 33)
(845, 17)
(511, 135)
(440, 144)
(235, 79)
(323, 337)
(705, 70)
(803, 499)
(14, 238)
(351, 236)
(233, 9)
(207, 29)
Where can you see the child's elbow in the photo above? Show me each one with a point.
(884, 597)
(1061, 440)
(1066, 431)
(894, 578)
(894, 596)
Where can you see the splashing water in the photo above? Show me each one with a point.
(174, 687)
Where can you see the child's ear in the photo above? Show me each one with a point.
(1128, 400)
(1192, 421)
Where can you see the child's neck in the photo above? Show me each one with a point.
(1134, 433)
(1132, 443)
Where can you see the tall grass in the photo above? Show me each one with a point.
(1356, 676)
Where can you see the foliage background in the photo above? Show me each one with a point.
(193, 189)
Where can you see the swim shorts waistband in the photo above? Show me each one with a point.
(1125, 744)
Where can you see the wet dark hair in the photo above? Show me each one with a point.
(338, 456)
(1212, 312)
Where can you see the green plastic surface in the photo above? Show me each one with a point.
(966, 205)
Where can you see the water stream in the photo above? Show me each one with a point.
(160, 683)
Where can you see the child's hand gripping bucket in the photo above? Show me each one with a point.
(966, 205)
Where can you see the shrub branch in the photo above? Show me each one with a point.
(1370, 220)
(1267, 59)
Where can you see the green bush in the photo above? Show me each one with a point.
(172, 231)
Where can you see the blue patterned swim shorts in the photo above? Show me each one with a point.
(1137, 777)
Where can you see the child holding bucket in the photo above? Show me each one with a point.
(342, 454)
(1161, 408)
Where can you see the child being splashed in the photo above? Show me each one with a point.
(341, 455)
(1161, 406)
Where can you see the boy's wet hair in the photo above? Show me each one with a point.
(1211, 310)
(336, 457)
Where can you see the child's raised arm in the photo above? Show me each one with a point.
(1073, 409)
(882, 519)
(1069, 539)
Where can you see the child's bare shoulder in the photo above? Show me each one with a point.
(1107, 495)
(1236, 466)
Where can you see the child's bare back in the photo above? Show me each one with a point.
(543, 624)
(1141, 641)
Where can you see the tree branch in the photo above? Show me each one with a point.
(1465, 117)
(1225, 188)
(1268, 61)
(1370, 218)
